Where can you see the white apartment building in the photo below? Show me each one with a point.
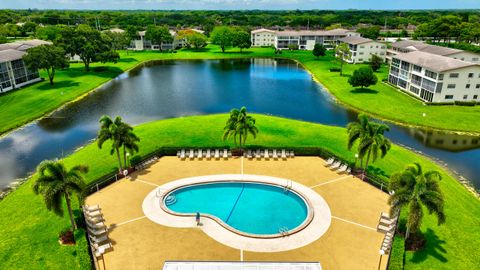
(141, 43)
(435, 78)
(362, 49)
(406, 46)
(303, 40)
(262, 38)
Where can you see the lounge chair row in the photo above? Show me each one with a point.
(97, 230)
(337, 166)
(204, 153)
(145, 163)
(267, 154)
(387, 226)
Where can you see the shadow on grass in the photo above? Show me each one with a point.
(363, 91)
(97, 71)
(234, 52)
(58, 85)
(196, 50)
(433, 248)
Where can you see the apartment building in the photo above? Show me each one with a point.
(13, 71)
(303, 40)
(362, 49)
(406, 46)
(262, 38)
(435, 78)
(141, 43)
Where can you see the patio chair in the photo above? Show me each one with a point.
(349, 170)
(99, 250)
(98, 240)
(191, 154)
(98, 225)
(225, 153)
(97, 232)
(329, 162)
(91, 208)
(284, 154)
(200, 154)
(217, 154)
(249, 154)
(208, 154)
(335, 165)
(178, 153)
(95, 219)
(385, 229)
(275, 156)
(258, 154)
(342, 168)
(182, 154)
(292, 154)
(265, 154)
(93, 214)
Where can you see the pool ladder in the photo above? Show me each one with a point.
(171, 199)
(288, 186)
(283, 231)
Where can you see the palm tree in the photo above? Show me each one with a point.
(373, 142)
(239, 124)
(111, 130)
(55, 181)
(415, 189)
(357, 130)
(342, 53)
(129, 144)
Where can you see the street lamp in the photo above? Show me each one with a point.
(382, 252)
(356, 159)
(128, 159)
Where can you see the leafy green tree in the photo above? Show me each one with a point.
(239, 125)
(342, 53)
(49, 32)
(119, 41)
(371, 141)
(415, 190)
(241, 39)
(3, 39)
(376, 62)
(197, 40)
(9, 30)
(222, 36)
(363, 77)
(47, 57)
(28, 28)
(372, 32)
(319, 50)
(158, 35)
(55, 181)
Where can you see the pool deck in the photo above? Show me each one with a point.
(351, 241)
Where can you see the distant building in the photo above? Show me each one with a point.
(406, 46)
(303, 40)
(141, 43)
(362, 49)
(435, 78)
(13, 71)
(116, 30)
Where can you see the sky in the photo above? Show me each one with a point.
(240, 4)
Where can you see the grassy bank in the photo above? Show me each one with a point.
(29, 232)
(383, 101)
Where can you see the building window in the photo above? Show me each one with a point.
(449, 97)
(361, 59)
(414, 90)
(451, 86)
(417, 68)
(430, 74)
(477, 86)
(402, 83)
(467, 86)
(465, 96)
(440, 77)
(360, 53)
(475, 96)
(470, 75)
(416, 79)
(475, 59)
(453, 75)
(405, 65)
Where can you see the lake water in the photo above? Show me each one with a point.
(179, 88)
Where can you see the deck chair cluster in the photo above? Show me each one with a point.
(337, 166)
(96, 230)
(387, 225)
(147, 162)
(204, 153)
(267, 154)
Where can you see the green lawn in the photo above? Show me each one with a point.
(28, 232)
(383, 101)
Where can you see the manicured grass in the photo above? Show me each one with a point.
(383, 101)
(29, 233)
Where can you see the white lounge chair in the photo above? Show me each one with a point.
(95, 219)
(93, 214)
(292, 154)
(99, 250)
(217, 154)
(98, 225)
(275, 156)
(91, 208)
(97, 232)
(225, 153)
(284, 154)
(98, 240)
(265, 154)
(336, 165)
(329, 162)
(182, 154)
(258, 154)
(200, 154)
(178, 153)
(349, 170)
(249, 154)
(209, 154)
(191, 154)
(342, 168)
(384, 228)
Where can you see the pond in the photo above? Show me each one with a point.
(178, 88)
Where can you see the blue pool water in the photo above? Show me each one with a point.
(248, 207)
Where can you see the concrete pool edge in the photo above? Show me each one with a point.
(309, 231)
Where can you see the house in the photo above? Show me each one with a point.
(13, 71)
(435, 78)
(362, 49)
(141, 43)
(406, 46)
(303, 39)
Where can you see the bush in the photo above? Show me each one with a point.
(363, 77)
(82, 251)
(465, 103)
(376, 62)
(397, 254)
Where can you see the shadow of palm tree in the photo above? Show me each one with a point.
(363, 91)
(433, 248)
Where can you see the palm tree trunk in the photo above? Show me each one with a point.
(407, 233)
(70, 212)
(368, 158)
(119, 160)
(125, 156)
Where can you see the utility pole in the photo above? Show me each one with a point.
(308, 24)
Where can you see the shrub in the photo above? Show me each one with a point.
(397, 254)
(465, 103)
(319, 50)
(363, 77)
(376, 62)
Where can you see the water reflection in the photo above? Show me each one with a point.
(166, 89)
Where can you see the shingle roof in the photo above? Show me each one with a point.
(23, 45)
(355, 40)
(432, 61)
(262, 30)
(334, 32)
(10, 55)
(420, 46)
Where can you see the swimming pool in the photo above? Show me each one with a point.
(249, 208)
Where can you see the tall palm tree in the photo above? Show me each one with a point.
(111, 130)
(415, 189)
(240, 124)
(357, 130)
(129, 144)
(55, 181)
(373, 142)
(342, 53)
